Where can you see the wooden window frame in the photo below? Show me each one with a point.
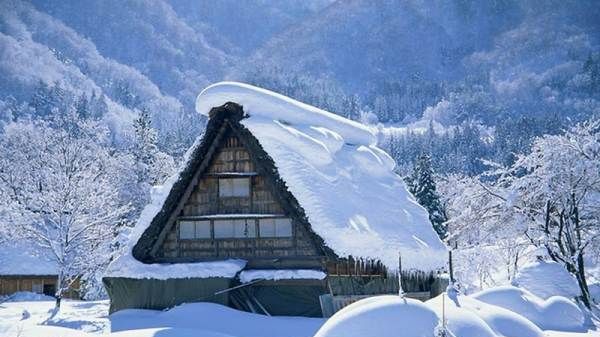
(212, 220)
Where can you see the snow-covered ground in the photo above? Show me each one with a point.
(499, 312)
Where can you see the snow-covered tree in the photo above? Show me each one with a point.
(154, 166)
(422, 185)
(556, 189)
(550, 197)
(485, 233)
(58, 187)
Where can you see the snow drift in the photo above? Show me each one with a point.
(555, 313)
(344, 182)
(546, 279)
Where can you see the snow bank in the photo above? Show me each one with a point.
(382, 316)
(127, 266)
(546, 279)
(344, 182)
(215, 318)
(281, 274)
(27, 296)
(555, 313)
(168, 332)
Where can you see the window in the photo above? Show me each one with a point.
(234, 187)
(238, 228)
(203, 230)
(277, 227)
(189, 230)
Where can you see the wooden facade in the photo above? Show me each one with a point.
(41, 284)
(257, 210)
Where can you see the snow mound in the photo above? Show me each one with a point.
(281, 274)
(382, 316)
(555, 313)
(468, 317)
(343, 181)
(546, 279)
(27, 296)
(210, 317)
(168, 332)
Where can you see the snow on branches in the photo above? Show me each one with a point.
(549, 197)
(60, 185)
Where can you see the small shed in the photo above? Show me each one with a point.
(23, 267)
(277, 204)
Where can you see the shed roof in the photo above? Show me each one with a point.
(24, 258)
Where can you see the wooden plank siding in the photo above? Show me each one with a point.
(233, 160)
(10, 284)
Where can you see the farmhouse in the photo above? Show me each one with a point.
(281, 209)
(26, 268)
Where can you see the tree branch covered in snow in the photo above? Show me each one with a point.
(61, 186)
(550, 197)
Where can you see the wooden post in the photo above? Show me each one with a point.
(450, 266)
(400, 290)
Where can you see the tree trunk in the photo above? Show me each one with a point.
(582, 282)
(59, 291)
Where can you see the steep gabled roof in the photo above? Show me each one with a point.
(327, 170)
(223, 118)
(343, 182)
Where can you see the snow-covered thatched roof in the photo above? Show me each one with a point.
(344, 184)
(343, 181)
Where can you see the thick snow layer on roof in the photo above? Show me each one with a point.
(128, 266)
(344, 182)
(25, 259)
(281, 274)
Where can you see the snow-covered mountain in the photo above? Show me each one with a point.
(403, 60)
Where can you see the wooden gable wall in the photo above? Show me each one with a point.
(233, 160)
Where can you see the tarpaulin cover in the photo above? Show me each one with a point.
(290, 299)
(128, 293)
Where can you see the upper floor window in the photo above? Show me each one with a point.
(194, 229)
(234, 187)
(235, 228)
(275, 227)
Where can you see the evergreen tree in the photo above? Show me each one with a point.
(153, 165)
(82, 107)
(422, 185)
(41, 101)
